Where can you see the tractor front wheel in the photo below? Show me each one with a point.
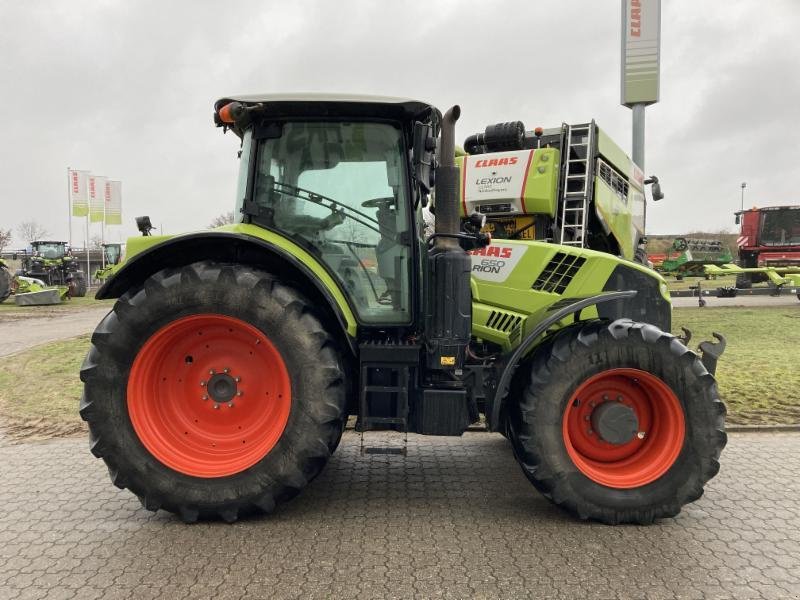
(619, 422)
(213, 391)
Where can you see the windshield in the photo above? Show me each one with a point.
(50, 250)
(340, 188)
(781, 228)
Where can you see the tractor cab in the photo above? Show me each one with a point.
(112, 253)
(49, 250)
(342, 185)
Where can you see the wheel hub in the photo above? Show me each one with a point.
(222, 387)
(615, 423)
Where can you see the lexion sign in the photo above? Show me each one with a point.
(641, 49)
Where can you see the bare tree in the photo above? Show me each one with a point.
(96, 242)
(5, 238)
(223, 219)
(31, 231)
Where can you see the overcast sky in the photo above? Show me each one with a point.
(125, 89)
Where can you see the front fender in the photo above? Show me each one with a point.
(243, 244)
(549, 317)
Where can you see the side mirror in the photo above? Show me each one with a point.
(738, 219)
(143, 224)
(423, 149)
(656, 189)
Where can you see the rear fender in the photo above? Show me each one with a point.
(281, 257)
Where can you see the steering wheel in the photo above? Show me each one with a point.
(378, 202)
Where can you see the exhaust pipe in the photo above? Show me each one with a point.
(447, 183)
(448, 295)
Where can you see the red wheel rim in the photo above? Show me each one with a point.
(649, 454)
(193, 415)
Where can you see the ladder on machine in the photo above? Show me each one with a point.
(576, 191)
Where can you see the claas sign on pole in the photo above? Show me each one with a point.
(641, 51)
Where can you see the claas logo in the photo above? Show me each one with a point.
(495, 162)
(495, 251)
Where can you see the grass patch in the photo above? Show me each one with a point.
(758, 375)
(40, 389)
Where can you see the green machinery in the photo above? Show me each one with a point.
(572, 185)
(53, 263)
(112, 255)
(780, 278)
(221, 382)
(688, 257)
(28, 291)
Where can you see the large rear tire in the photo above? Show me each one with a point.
(5, 283)
(657, 466)
(78, 285)
(213, 391)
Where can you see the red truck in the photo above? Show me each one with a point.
(769, 237)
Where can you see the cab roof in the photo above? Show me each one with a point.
(333, 105)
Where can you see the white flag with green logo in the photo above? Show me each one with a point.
(97, 203)
(113, 202)
(78, 193)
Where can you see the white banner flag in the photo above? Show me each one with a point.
(113, 202)
(97, 204)
(78, 192)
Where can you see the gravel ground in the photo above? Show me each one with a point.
(20, 333)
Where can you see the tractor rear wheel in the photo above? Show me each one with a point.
(618, 422)
(213, 391)
(6, 282)
(77, 285)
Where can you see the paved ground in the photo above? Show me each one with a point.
(19, 334)
(455, 519)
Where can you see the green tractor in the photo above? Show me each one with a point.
(221, 382)
(53, 263)
(7, 282)
(112, 255)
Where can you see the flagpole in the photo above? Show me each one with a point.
(86, 247)
(69, 209)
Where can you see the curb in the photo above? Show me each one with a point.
(762, 428)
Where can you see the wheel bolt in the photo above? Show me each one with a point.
(239, 393)
(226, 370)
(590, 432)
(205, 398)
(641, 435)
(211, 372)
(230, 404)
(237, 379)
(216, 405)
(619, 398)
(202, 384)
(605, 397)
(587, 418)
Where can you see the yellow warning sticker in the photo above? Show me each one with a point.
(447, 361)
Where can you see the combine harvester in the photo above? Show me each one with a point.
(769, 237)
(222, 380)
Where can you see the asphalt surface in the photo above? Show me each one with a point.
(18, 334)
(454, 519)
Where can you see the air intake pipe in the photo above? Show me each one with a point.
(448, 296)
